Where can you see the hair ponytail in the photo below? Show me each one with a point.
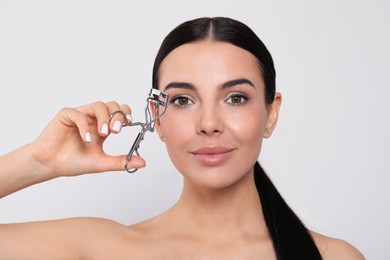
(290, 237)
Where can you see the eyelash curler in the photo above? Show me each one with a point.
(156, 98)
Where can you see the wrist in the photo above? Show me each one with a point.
(20, 169)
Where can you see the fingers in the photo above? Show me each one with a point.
(100, 113)
(119, 119)
(71, 117)
(92, 123)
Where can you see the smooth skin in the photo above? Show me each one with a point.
(216, 100)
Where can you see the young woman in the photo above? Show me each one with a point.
(220, 80)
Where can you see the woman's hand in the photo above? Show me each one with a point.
(72, 143)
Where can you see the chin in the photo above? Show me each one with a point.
(216, 178)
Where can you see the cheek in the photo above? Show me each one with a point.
(248, 128)
(247, 131)
(178, 132)
(175, 129)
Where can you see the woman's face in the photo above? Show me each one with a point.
(216, 116)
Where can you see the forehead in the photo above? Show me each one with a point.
(207, 62)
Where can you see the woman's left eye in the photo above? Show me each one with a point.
(237, 99)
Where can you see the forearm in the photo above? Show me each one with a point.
(19, 169)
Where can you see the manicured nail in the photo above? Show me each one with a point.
(88, 137)
(129, 117)
(117, 126)
(105, 129)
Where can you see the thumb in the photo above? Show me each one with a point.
(117, 163)
(135, 162)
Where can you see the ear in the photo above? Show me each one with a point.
(273, 114)
(157, 125)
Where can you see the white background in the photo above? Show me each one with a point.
(328, 157)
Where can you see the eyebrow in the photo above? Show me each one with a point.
(182, 85)
(235, 82)
(228, 84)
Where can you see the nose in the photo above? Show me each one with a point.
(210, 121)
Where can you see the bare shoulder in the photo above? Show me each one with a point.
(108, 239)
(54, 239)
(335, 249)
(93, 223)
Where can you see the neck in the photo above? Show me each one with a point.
(219, 212)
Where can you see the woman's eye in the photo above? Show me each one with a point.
(181, 101)
(237, 99)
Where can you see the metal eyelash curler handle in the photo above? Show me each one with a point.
(158, 98)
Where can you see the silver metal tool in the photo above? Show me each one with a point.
(155, 100)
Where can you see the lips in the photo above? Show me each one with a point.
(213, 155)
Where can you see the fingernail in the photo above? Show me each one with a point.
(129, 117)
(105, 129)
(88, 137)
(117, 126)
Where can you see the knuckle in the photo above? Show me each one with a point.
(126, 107)
(64, 110)
(112, 104)
(98, 103)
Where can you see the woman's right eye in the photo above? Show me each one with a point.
(181, 101)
